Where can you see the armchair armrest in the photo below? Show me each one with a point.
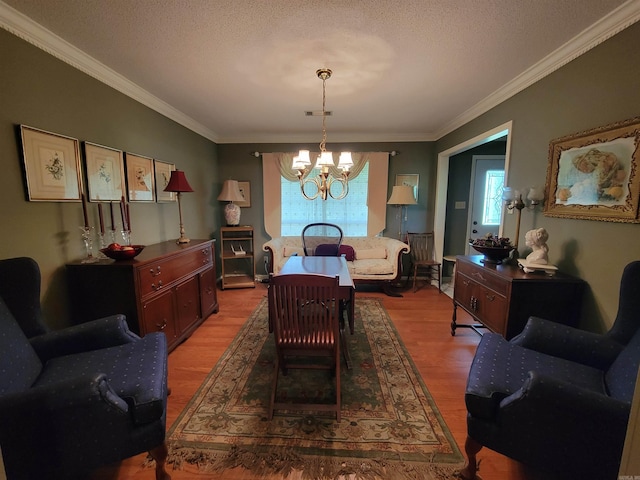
(101, 333)
(581, 346)
(72, 393)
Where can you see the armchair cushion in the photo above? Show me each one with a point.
(143, 387)
(500, 369)
(621, 376)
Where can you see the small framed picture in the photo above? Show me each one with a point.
(51, 166)
(245, 190)
(140, 178)
(105, 173)
(409, 179)
(163, 175)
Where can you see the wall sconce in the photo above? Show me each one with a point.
(513, 200)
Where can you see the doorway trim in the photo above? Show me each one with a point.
(442, 177)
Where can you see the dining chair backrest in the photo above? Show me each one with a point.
(322, 239)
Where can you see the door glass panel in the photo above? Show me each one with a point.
(492, 206)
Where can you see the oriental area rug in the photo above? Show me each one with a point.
(390, 428)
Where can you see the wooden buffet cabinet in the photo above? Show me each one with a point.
(168, 287)
(503, 297)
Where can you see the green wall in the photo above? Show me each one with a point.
(38, 90)
(238, 163)
(41, 91)
(597, 88)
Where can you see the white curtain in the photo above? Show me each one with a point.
(275, 165)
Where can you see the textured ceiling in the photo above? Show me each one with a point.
(244, 71)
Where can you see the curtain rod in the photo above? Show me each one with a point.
(393, 153)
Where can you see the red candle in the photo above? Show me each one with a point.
(101, 218)
(123, 215)
(128, 218)
(113, 222)
(84, 211)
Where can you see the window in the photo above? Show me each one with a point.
(492, 207)
(350, 213)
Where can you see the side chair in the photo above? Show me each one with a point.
(423, 258)
(322, 239)
(79, 398)
(305, 315)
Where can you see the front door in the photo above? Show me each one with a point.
(485, 210)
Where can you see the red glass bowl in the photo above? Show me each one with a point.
(123, 254)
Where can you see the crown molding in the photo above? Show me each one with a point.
(624, 16)
(34, 33)
(23, 27)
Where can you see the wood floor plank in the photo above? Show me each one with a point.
(423, 321)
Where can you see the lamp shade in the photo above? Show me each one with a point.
(230, 192)
(402, 195)
(178, 183)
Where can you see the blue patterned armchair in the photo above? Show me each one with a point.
(557, 398)
(75, 399)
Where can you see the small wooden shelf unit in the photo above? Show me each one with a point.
(236, 257)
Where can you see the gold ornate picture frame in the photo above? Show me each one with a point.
(51, 166)
(593, 175)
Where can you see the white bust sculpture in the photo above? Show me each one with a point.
(537, 240)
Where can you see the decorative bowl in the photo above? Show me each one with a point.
(493, 254)
(124, 254)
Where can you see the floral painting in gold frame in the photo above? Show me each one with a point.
(51, 166)
(593, 175)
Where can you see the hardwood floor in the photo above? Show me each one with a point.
(421, 318)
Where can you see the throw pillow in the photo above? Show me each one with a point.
(348, 252)
(365, 253)
(326, 250)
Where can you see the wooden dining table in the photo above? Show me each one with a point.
(331, 266)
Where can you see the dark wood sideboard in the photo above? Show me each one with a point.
(168, 287)
(503, 297)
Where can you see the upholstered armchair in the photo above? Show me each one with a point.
(75, 399)
(557, 398)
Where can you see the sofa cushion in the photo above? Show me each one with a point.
(367, 253)
(291, 251)
(348, 252)
(372, 266)
(21, 365)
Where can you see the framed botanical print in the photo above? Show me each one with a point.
(163, 175)
(245, 191)
(593, 175)
(140, 178)
(409, 179)
(105, 173)
(51, 166)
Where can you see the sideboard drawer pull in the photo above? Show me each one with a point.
(479, 275)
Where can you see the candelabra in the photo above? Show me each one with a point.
(514, 201)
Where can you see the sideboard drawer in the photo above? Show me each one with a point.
(156, 276)
(485, 278)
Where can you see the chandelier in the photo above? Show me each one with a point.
(325, 179)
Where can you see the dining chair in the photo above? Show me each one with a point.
(423, 258)
(306, 329)
(322, 239)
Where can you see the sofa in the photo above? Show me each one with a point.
(370, 259)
